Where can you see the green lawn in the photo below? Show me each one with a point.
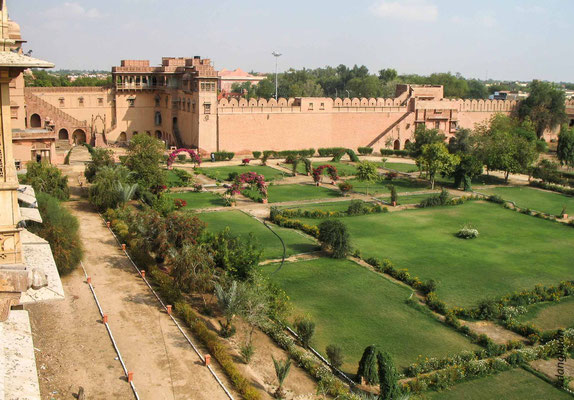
(515, 384)
(535, 199)
(198, 200)
(281, 193)
(513, 252)
(550, 315)
(222, 173)
(408, 199)
(402, 185)
(354, 308)
(343, 169)
(242, 224)
(402, 167)
(329, 206)
(477, 180)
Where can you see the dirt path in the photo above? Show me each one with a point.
(164, 365)
(73, 348)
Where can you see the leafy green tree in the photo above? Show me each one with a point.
(236, 255)
(265, 88)
(101, 157)
(547, 171)
(476, 89)
(61, 229)
(107, 187)
(423, 136)
(565, 149)
(367, 172)
(47, 178)
(281, 371)
(435, 158)
(388, 75)
(463, 141)
(368, 366)
(334, 236)
(368, 86)
(387, 377)
(469, 167)
(544, 106)
(145, 155)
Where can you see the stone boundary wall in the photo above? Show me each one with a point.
(68, 89)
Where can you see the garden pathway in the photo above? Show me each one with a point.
(164, 364)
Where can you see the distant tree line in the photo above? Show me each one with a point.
(40, 78)
(357, 81)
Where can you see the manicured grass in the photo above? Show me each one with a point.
(222, 173)
(515, 384)
(281, 193)
(402, 167)
(535, 199)
(331, 206)
(408, 199)
(477, 180)
(513, 252)
(354, 307)
(242, 224)
(402, 185)
(343, 169)
(198, 200)
(550, 315)
(173, 180)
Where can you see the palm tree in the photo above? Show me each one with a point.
(230, 303)
(281, 370)
(126, 192)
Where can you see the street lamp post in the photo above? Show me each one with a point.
(276, 55)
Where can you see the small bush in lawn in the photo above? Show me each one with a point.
(467, 232)
(334, 236)
(305, 328)
(247, 352)
(181, 157)
(357, 207)
(394, 195)
(232, 176)
(256, 154)
(335, 355)
(436, 200)
(345, 187)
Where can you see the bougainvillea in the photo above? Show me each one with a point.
(318, 172)
(245, 161)
(250, 179)
(180, 203)
(195, 158)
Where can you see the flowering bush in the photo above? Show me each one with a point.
(318, 172)
(345, 187)
(467, 232)
(195, 158)
(245, 161)
(251, 179)
(198, 187)
(180, 203)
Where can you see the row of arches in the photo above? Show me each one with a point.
(78, 136)
(123, 136)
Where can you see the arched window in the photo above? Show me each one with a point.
(397, 144)
(63, 134)
(157, 118)
(35, 121)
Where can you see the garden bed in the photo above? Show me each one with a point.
(343, 169)
(197, 200)
(282, 193)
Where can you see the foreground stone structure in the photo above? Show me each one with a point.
(27, 270)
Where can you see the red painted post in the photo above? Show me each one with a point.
(207, 359)
(89, 280)
(105, 318)
(123, 246)
(168, 310)
(143, 274)
(130, 376)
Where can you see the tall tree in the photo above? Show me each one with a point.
(565, 149)
(145, 154)
(367, 172)
(368, 366)
(422, 137)
(387, 377)
(435, 159)
(544, 106)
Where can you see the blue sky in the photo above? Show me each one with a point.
(501, 39)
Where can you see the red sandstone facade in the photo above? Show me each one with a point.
(178, 103)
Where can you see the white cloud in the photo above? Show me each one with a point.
(72, 10)
(407, 10)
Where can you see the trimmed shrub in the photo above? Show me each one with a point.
(181, 157)
(305, 329)
(330, 151)
(368, 366)
(334, 237)
(365, 150)
(335, 355)
(436, 200)
(256, 154)
(496, 199)
(223, 155)
(345, 187)
(61, 229)
(467, 232)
